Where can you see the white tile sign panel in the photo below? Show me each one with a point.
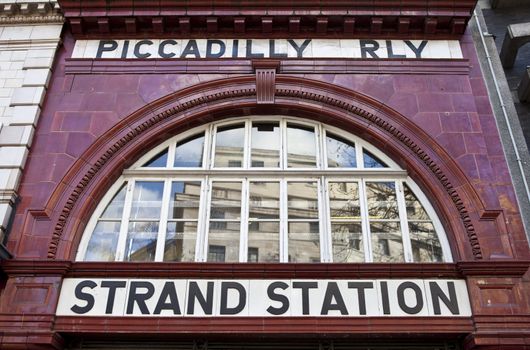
(263, 298)
(267, 48)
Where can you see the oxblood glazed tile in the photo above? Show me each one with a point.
(406, 104)
(455, 122)
(463, 102)
(453, 143)
(435, 102)
(475, 143)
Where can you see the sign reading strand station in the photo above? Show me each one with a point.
(263, 48)
(263, 298)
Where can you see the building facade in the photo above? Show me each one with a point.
(254, 175)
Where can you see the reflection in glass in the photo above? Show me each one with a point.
(229, 146)
(158, 161)
(301, 148)
(184, 202)
(341, 153)
(344, 200)
(180, 241)
(141, 241)
(387, 245)
(415, 210)
(382, 201)
(304, 242)
(115, 208)
(147, 200)
(224, 234)
(103, 242)
(189, 152)
(264, 239)
(226, 201)
(347, 242)
(302, 200)
(371, 161)
(265, 145)
(264, 200)
(425, 243)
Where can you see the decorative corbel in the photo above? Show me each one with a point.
(265, 79)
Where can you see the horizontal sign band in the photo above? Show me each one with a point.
(263, 48)
(263, 298)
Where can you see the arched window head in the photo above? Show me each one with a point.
(265, 189)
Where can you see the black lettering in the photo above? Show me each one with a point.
(333, 293)
(411, 310)
(139, 298)
(235, 49)
(361, 286)
(299, 49)
(195, 293)
(209, 48)
(124, 52)
(224, 309)
(278, 297)
(451, 302)
(417, 50)
(170, 292)
(305, 286)
(250, 54)
(161, 49)
(369, 47)
(112, 286)
(89, 298)
(391, 53)
(139, 45)
(191, 49)
(106, 46)
(384, 298)
(272, 50)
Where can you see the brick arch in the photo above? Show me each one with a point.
(426, 161)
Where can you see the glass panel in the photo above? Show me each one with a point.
(141, 241)
(387, 244)
(371, 161)
(180, 241)
(347, 242)
(226, 200)
(415, 210)
(301, 149)
(103, 242)
(115, 208)
(223, 234)
(304, 242)
(147, 200)
(264, 200)
(425, 244)
(189, 152)
(158, 161)
(302, 200)
(382, 201)
(185, 198)
(265, 145)
(344, 200)
(264, 241)
(341, 153)
(229, 146)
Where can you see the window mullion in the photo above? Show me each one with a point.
(202, 219)
(162, 227)
(284, 239)
(407, 246)
(359, 155)
(283, 147)
(325, 223)
(247, 146)
(243, 238)
(368, 256)
(212, 138)
(171, 155)
(124, 227)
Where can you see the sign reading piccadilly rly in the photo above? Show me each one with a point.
(263, 48)
(263, 298)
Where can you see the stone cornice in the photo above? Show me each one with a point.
(30, 12)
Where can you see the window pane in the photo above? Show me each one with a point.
(425, 244)
(347, 242)
(226, 200)
(371, 161)
(264, 241)
(382, 201)
(301, 149)
(180, 241)
(141, 241)
(341, 153)
(189, 152)
(265, 145)
(344, 200)
(158, 161)
(387, 245)
(304, 242)
(115, 208)
(147, 200)
(185, 198)
(229, 146)
(264, 200)
(224, 234)
(103, 242)
(415, 210)
(302, 200)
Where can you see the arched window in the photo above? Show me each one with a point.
(265, 189)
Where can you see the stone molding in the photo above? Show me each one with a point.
(30, 12)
